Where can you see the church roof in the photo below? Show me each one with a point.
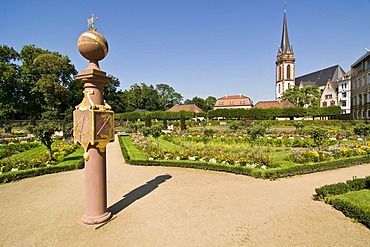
(285, 45)
(192, 108)
(363, 57)
(320, 77)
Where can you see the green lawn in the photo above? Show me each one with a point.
(165, 145)
(360, 199)
(133, 152)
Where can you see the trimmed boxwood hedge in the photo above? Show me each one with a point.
(272, 174)
(341, 188)
(328, 193)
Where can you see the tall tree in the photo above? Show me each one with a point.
(308, 96)
(201, 103)
(46, 77)
(167, 96)
(210, 102)
(10, 91)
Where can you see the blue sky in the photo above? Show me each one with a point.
(199, 47)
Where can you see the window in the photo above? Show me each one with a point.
(231, 102)
(363, 114)
(288, 85)
(368, 78)
(363, 98)
(279, 88)
(279, 73)
(221, 103)
(332, 103)
(344, 95)
(328, 96)
(242, 102)
(344, 103)
(344, 85)
(324, 104)
(288, 72)
(368, 113)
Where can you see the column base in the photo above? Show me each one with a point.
(94, 220)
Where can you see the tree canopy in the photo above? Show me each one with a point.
(308, 96)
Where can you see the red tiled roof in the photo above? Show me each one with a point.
(271, 104)
(192, 108)
(233, 101)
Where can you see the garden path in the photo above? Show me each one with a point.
(164, 206)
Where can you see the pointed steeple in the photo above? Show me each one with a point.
(285, 45)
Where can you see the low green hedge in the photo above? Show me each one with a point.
(341, 188)
(272, 174)
(71, 162)
(354, 204)
(338, 195)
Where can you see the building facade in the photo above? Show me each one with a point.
(344, 93)
(233, 102)
(360, 87)
(285, 63)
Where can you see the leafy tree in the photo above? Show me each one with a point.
(10, 88)
(46, 77)
(301, 97)
(156, 131)
(255, 131)
(44, 133)
(210, 102)
(201, 103)
(167, 96)
(318, 135)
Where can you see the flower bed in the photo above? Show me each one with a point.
(10, 149)
(40, 158)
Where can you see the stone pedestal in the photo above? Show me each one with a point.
(93, 129)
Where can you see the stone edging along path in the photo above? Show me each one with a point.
(166, 206)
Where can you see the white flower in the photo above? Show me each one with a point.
(191, 158)
(177, 158)
(213, 160)
(150, 158)
(264, 167)
(279, 137)
(14, 169)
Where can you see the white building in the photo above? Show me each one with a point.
(344, 93)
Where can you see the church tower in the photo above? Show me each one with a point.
(285, 63)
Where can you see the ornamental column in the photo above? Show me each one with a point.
(94, 125)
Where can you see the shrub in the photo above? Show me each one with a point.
(341, 188)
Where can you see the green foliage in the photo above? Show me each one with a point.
(71, 162)
(7, 150)
(272, 113)
(145, 131)
(182, 122)
(156, 131)
(318, 135)
(351, 197)
(301, 97)
(354, 205)
(340, 188)
(362, 130)
(148, 121)
(45, 132)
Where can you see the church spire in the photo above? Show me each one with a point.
(285, 45)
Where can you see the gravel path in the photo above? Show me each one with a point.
(164, 206)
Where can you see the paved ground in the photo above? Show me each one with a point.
(159, 206)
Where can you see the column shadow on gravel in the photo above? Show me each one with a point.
(138, 193)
